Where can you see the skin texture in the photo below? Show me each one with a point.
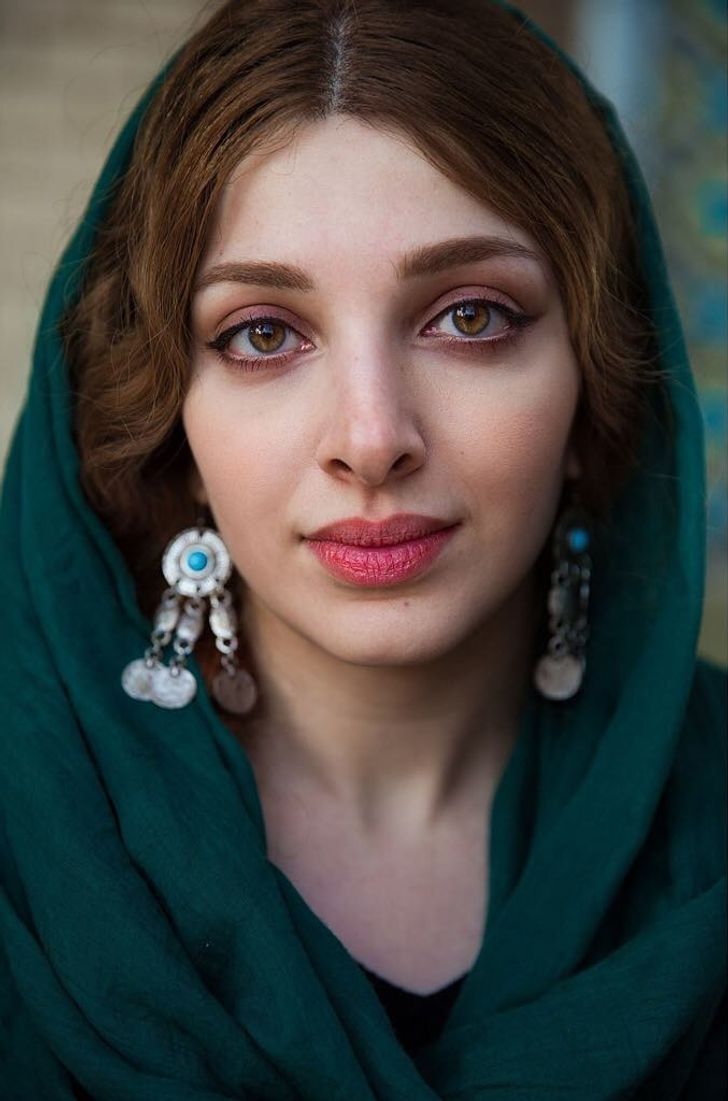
(394, 708)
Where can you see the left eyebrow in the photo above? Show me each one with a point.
(432, 259)
(421, 261)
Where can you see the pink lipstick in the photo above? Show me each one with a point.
(387, 552)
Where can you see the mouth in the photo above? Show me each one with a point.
(400, 528)
(375, 554)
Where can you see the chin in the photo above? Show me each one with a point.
(381, 646)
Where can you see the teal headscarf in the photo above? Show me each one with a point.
(149, 950)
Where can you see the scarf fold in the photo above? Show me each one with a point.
(149, 951)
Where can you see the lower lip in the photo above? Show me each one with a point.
(373, 567)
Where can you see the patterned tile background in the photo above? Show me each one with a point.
(691, 196)
(70, 71)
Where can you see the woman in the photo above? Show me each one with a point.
(364, 352)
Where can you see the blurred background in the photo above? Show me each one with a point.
(71, 71)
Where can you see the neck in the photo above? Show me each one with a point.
(394, 747)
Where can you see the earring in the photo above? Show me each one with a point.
(196, 564)
(559, 673)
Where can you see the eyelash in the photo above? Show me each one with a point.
(517, 322)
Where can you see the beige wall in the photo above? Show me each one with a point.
(70, 72)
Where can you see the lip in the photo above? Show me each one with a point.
(373, 554)
(400, 528)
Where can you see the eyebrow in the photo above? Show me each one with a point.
(421, 261)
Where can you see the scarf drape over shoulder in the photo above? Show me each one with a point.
(149, 951)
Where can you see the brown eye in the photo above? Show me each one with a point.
(478, 323)
(471, 317)
(266, 335)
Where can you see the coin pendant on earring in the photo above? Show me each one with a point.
(137, 680)
(236, 693)
(171, 691)
(559, 678)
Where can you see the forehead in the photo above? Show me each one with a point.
(341, 187)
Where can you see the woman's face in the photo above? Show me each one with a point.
(392, 376)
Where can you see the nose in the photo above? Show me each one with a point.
(371, 434)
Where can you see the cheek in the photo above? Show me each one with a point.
(246, 471)
(514, 450)
(523, 449)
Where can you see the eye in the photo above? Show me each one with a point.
(256, 340)
(267, 341)
(483, 318)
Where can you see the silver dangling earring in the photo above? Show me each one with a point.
(559, 673)
(196, 564)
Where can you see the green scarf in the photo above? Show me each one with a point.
(149, 951)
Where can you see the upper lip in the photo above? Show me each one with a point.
(400, 528)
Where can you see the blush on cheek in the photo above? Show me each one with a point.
(522, 444)
(536, 445)
(516, 470)
(248, 462)
(246, 494)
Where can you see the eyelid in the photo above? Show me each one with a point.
(221, 342)
(516, 317)
(513, 318)
(258, 313)
(470, 294)
(449, 300)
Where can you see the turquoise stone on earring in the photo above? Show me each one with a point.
(196, 562)
(578, 540)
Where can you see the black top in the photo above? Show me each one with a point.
(416, 1018)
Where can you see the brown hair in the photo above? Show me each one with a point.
(483, 99)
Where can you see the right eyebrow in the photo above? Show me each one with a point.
(264, 273)
(421, 261)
